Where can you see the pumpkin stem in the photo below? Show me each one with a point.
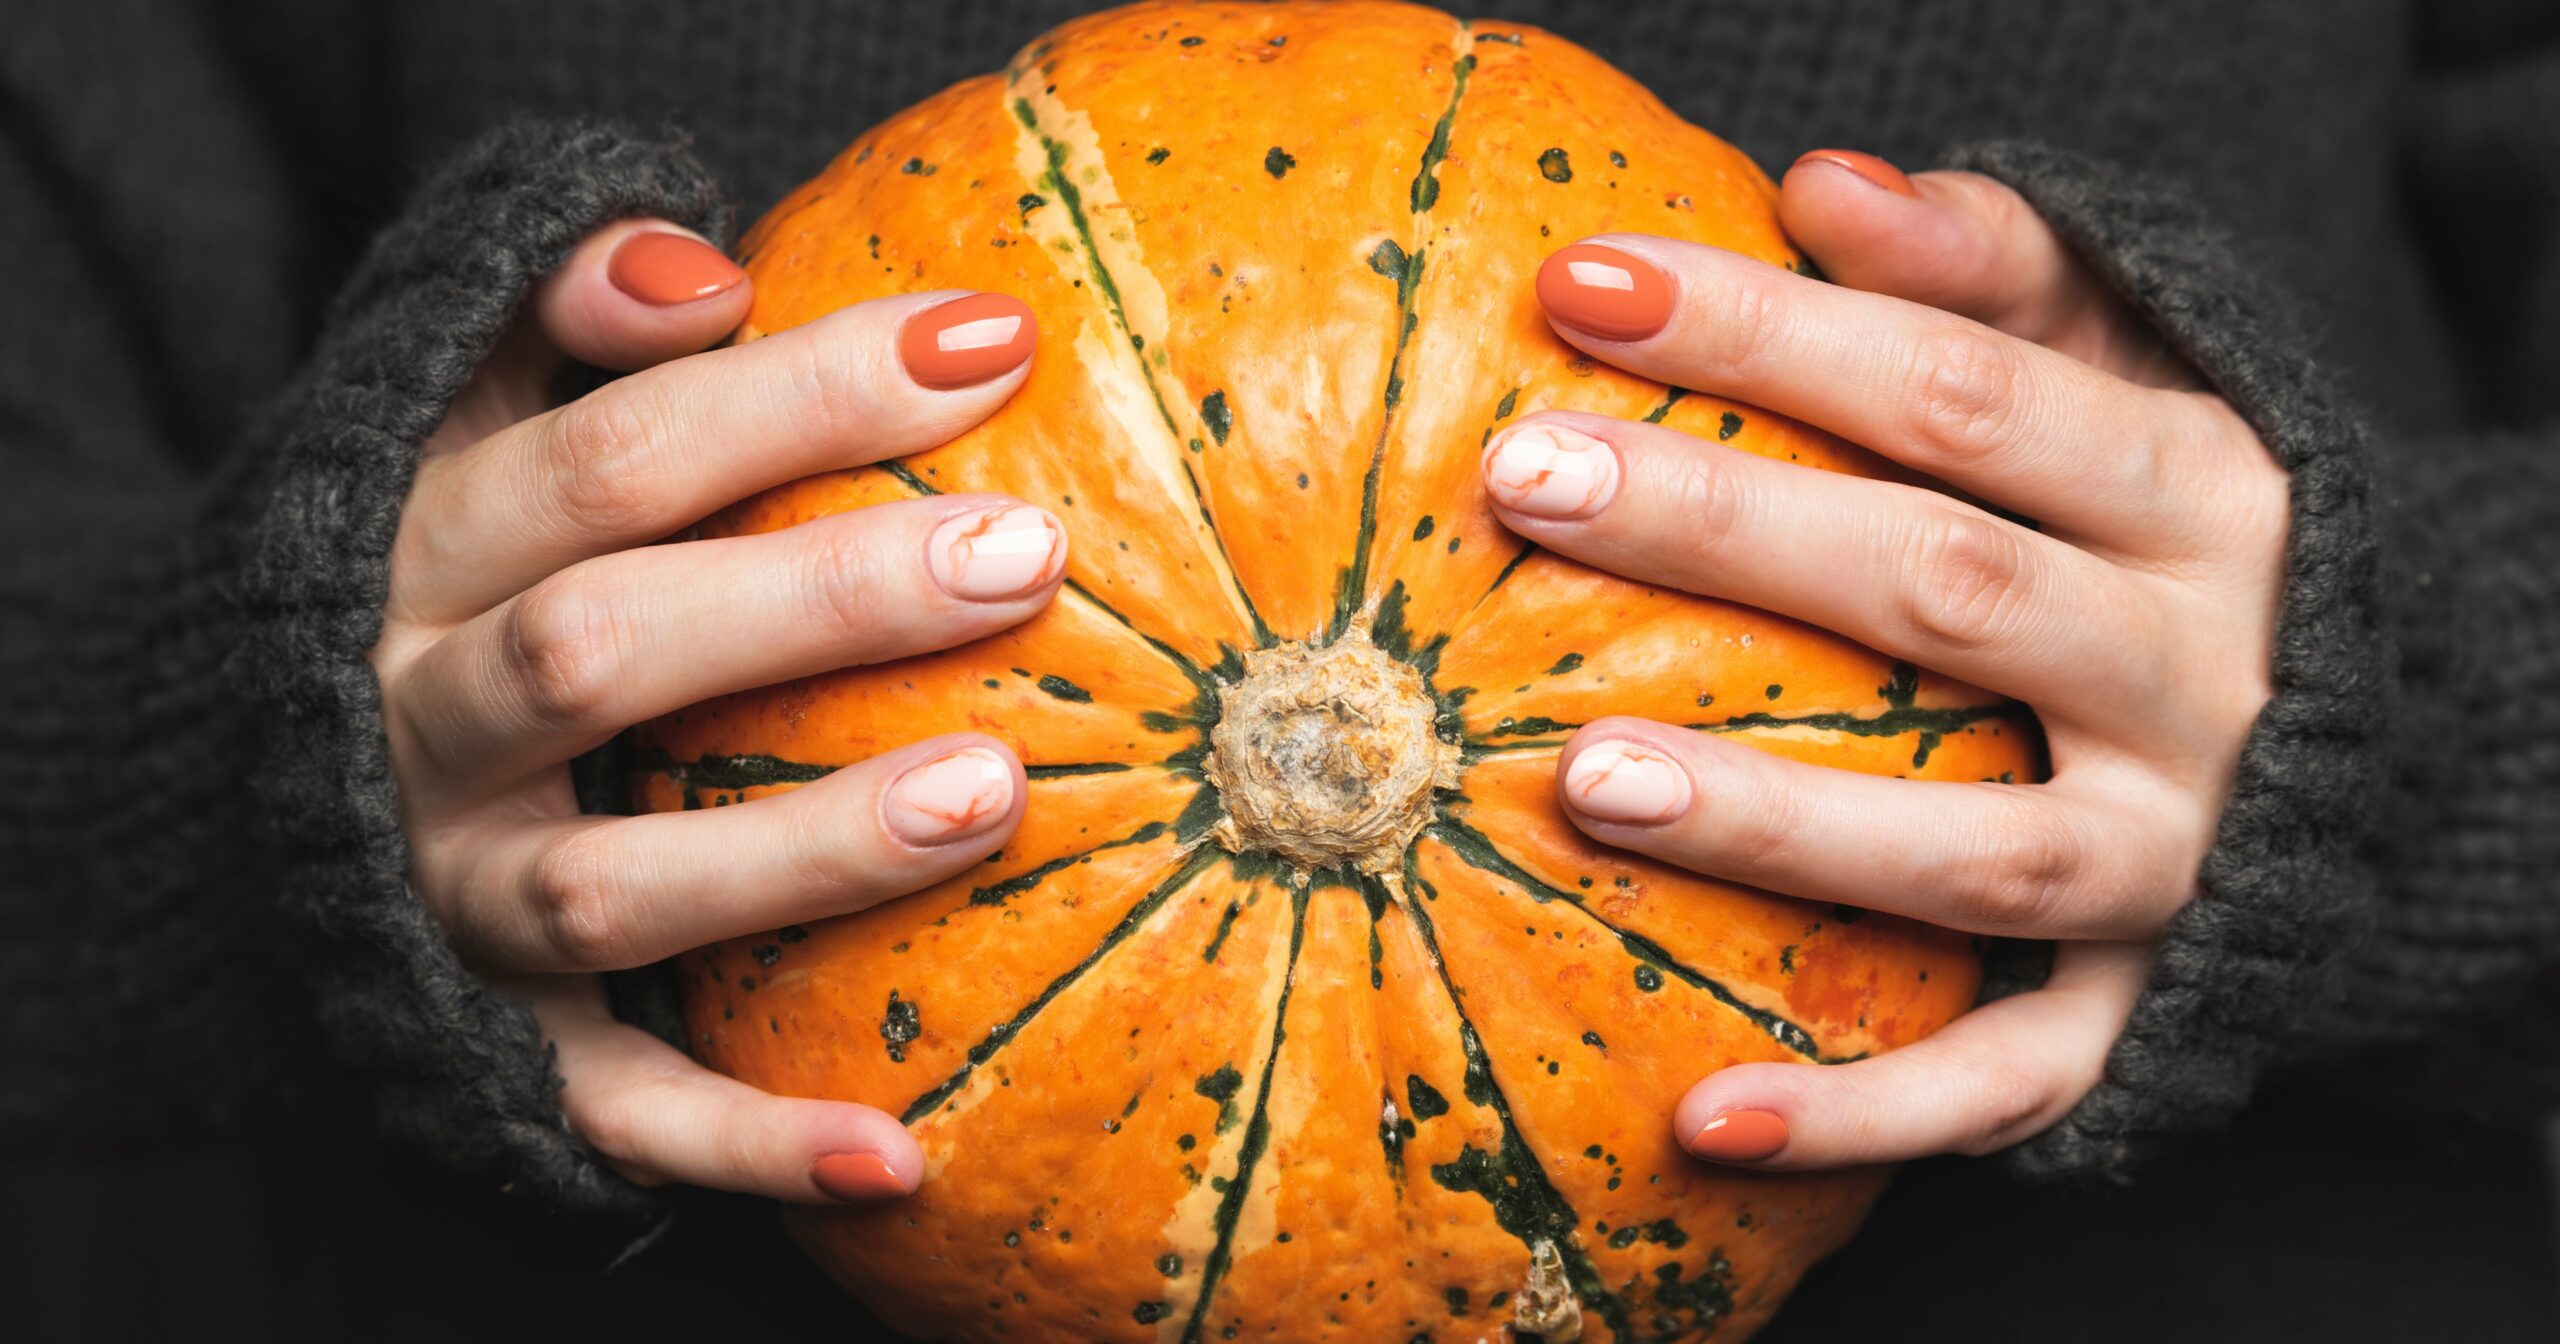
(1327, 757)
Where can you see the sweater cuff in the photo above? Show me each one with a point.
(463, 1070)
(2247, 966)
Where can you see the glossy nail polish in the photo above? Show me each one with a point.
(967, 341)
(1548, 471)
(949, 798)
(1627, 782)
(1614, 295)
(1740, 1136)
(664, 269)
(995, 554)
(1867, 166)
(856, 1178)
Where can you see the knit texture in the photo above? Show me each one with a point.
(464, 1068)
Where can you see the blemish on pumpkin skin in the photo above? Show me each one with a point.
(1278, 162)
(1555, 166)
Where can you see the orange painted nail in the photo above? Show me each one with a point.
(1740, 1136)
(663, 269)
(1611, 294)
(1868, 166)
(967, 341)
(856, 1178)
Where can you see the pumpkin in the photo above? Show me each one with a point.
(1296, 1010)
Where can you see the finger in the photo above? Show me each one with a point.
(1997, 1075)
(2031, 430)
(624, 638)
(2099, 860)
(634, 293)
(1899, 568)
(1971, 245)
(659, 1117)
(606, 893)
(647, 455)
(640, 292)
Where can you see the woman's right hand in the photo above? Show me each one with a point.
(530, 618)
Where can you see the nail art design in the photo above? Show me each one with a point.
(967, 341)
(1548, 471)
(998, 553)
(1627, 782)
(1611, 294)
(1740, 1136)
(856, 1178)
(663, 269)
(945, 799)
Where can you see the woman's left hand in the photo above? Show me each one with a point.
(2137, 617)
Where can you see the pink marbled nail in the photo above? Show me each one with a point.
(1001, 552)
(1627, 782)
(950, 797)
(1548, 471)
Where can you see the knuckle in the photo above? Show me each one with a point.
(1708, 500)
(1966, 582)
(563, 650)
(2031, 858)
(1760, 832)
(1751, 325)
(574, 899)
(599, 464)
(846, 577)
(1964, 393)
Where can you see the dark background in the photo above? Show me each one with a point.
(303, 1230)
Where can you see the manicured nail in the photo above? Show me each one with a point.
(967, 341)
(856, 1178)
(950, 797)
(1740, 1136)
(1549, 471)
(663, 269)
(997, 553)
(1627, 782)
(1868, 166)
(1611, 294)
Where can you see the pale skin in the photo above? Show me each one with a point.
(531, 618)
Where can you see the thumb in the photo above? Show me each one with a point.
(1972, 246)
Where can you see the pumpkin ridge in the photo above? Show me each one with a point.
(1198, 862)
(1519, 1162)
(1478, 851)
(1354, 594)
(1055, 154)
(1257, 1132)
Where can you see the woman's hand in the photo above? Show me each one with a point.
(2138, 617)
(530, 619)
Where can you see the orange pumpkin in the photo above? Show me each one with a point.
(1214, 1049)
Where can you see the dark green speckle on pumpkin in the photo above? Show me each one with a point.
(1555, 167)
(1278, 162)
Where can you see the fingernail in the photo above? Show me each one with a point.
(950, 797)
(856, 1178)
(1627, 782)
(996, 553)
(967, 341)
(1549, 471)
(663, 269)
(1740, 1136)
(1601, 290)
(1868, 166)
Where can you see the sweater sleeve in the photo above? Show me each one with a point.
(200, 778)
(2378, 874)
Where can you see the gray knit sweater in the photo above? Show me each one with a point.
(258, 248)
